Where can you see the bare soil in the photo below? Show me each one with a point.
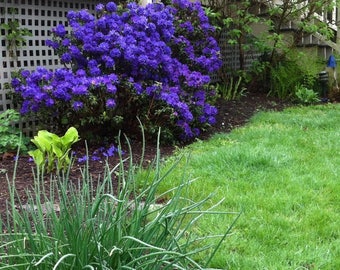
(231, 114)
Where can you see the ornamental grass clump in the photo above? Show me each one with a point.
(152, 62)
(84, 225)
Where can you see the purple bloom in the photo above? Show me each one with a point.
(138, 88)
(114, 53)
(80, 90)
(74, 50)
(60, 30)
(186, 127)
(66, 58)
(150, 90)
(52, 44)
(211, 120)
(61, 94)
(109, 62)
(110, 103)
(81, 73)
(49, 102)
(77, 105)
(95, 71)
(65, 42)
(170, 98)
(187, 26)
(110, 88)
(83, 159)
(92, 63)
(95, 158)
(110, 151)
(210, 110)
(111, 7)
(113, 78)
(25, 73)
(103, 47)
(15, 82)
(99, 7)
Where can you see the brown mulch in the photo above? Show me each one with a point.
(231, 114)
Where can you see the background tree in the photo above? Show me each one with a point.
(243, 19)
(236, 18)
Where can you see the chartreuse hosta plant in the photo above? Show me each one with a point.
(53, 149)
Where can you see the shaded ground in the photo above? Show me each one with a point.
(231, 114)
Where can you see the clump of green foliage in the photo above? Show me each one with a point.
(283, 77)
(294, 68)
(306, 96)
(10, 136)
(88, 226)
(53, 149)
(231, 90)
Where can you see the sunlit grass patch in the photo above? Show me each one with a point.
(282, 171)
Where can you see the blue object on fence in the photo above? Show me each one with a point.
(331, 61)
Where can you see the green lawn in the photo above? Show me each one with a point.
(282, 171)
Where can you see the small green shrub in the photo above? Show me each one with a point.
(306, 96)
(283, 77)
(288, 70)
(10, 138)
(105, 226)
(53, 149)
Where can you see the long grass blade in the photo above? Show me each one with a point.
(62, 259)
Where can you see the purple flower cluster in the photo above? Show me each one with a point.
(43, 88)
(99, 154)
(163, 52)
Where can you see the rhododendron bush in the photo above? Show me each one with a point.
(125, 62)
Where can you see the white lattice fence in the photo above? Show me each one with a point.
(39, 16)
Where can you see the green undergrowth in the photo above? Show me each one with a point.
(282, 172)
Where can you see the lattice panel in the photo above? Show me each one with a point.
(39, 16)
(231, 57)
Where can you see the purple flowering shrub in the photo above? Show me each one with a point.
(152, 62)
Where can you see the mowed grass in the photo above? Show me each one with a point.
(282, 171)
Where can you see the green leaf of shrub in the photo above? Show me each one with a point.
(43, 141)
(37, 156)
(71, 136)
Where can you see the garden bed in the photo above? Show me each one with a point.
(231, 114)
